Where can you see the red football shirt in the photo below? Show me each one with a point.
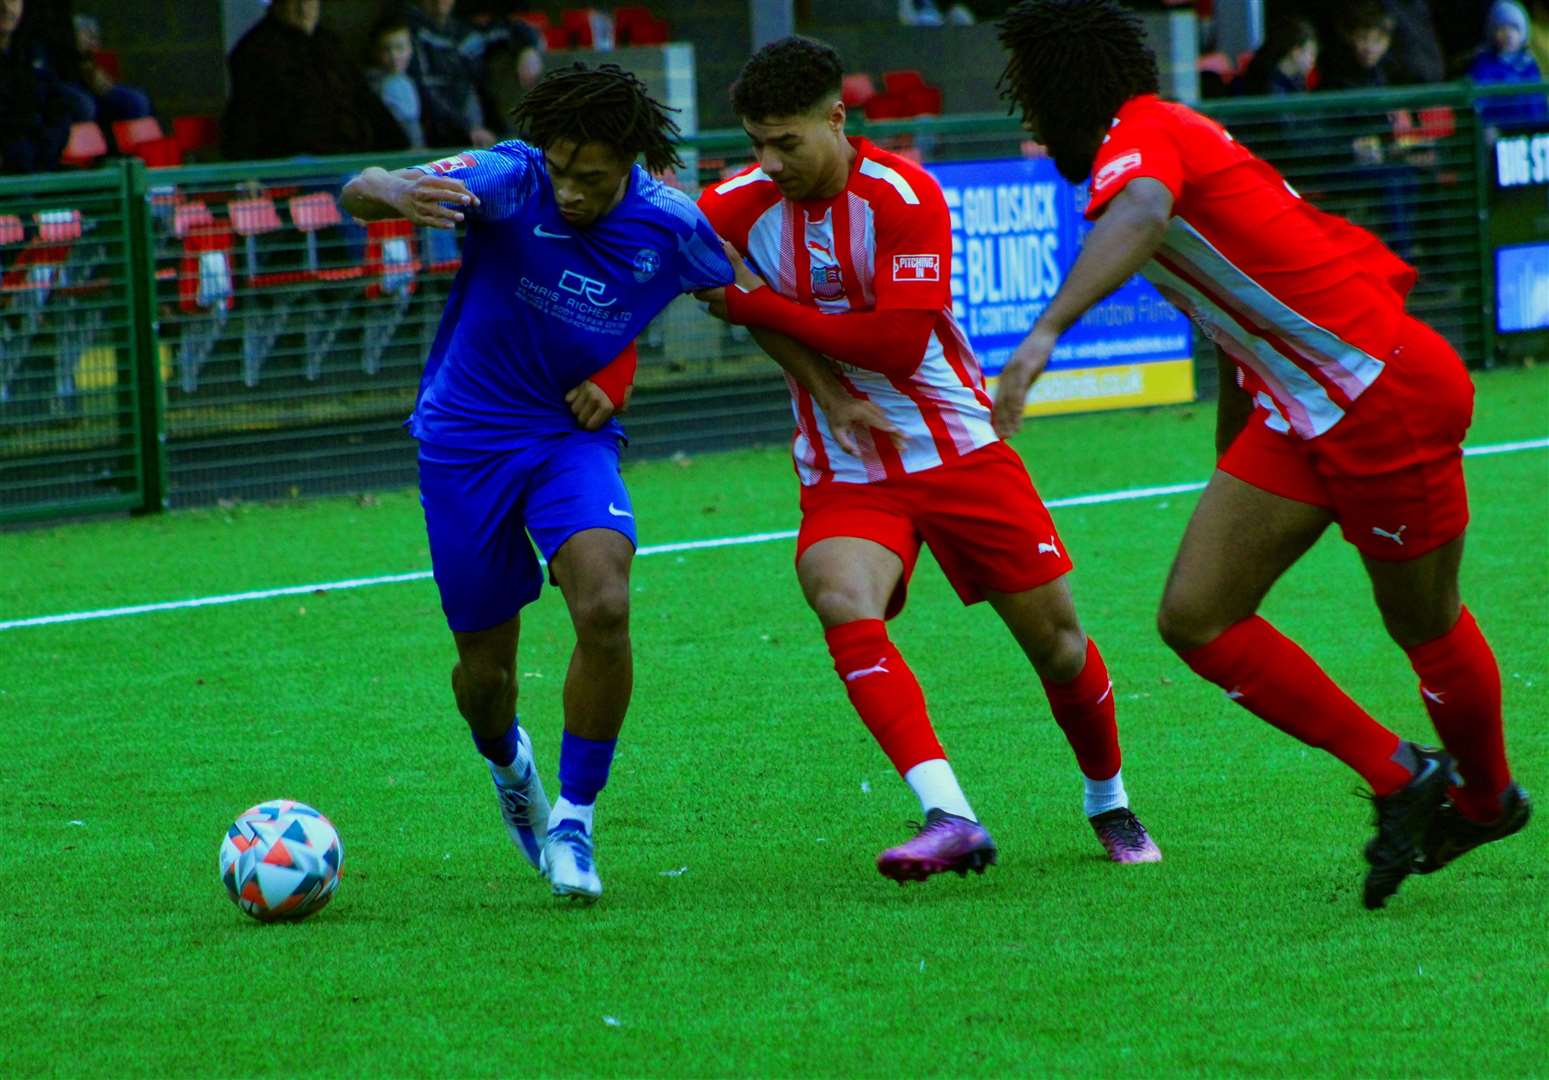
(883, 242)
(1306, 303)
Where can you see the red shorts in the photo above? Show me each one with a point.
(1391, 471)
(981, 518)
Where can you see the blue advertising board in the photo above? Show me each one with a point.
(1017, 227)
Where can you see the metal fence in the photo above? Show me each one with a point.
(177, 336)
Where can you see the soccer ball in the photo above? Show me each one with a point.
(280, 860)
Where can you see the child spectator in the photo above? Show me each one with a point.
(1504, 58)
(392, 48)
(1359, 61)
(1283, 62)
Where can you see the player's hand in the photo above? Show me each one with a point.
(1027, 363)
(423, 201)
(591, 407)
(482, 138)
(746, 279)
(716, 298)
(850, 418)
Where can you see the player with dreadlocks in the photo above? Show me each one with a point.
(571, 249)
(1335, 405)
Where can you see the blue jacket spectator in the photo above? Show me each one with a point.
(1506, 59)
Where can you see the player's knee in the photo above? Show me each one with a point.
(1061, 654)
(840, 602)
(483, 689)
(1411, 626)
(602, 615)
(1185, 627)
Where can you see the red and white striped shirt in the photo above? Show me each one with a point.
(882, 243)
(1307, 304)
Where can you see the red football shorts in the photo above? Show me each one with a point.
(1391, 471)
(981, 517)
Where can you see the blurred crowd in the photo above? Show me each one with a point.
(425, 75)
(441, 73)
(1370, 44)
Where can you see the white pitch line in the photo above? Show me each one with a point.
(1126, 495)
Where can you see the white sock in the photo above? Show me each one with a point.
(565, 810)
(1104, 795)
(937, 788)
(514, 774)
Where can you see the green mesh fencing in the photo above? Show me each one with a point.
(268, 347)
(70, 405)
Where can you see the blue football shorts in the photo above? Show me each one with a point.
(480, 506)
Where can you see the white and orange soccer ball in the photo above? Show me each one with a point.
(280, 860)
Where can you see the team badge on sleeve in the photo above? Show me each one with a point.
(451, 164)
(916, 267)
(1115, 169)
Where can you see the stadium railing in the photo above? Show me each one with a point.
(176, 336)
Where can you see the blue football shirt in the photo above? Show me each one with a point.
(540, 305)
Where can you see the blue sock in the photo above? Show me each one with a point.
(583, 767)
(502, 749)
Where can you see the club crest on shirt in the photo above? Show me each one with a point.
(647, 263)
(827, 282)
(452, 164)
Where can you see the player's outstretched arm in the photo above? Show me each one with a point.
(437, 201)
(1128, 233)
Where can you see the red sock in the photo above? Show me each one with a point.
(1268, 674)
(1083, 708)
(1461, 687)
(884, 691)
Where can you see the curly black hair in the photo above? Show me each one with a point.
(604, 104)
(1073, 63)
(786, 78)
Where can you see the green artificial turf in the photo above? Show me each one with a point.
(744, 929)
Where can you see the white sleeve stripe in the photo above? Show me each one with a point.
(877, 171)
(741, 181)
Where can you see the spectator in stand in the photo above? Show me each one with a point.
(35, 112)
(513, 55)
(294, 91)
(1504, 58)
(112, 100)
(448, 66)
(392, 48)
(1416, 55)
(1358, 58)
(1283, 62)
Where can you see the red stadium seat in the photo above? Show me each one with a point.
(130, 133)
(86, 147)
(636, 25)
(901, 82)
(857, 89)
(195, 133)
(11, 230)
(311, 214)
